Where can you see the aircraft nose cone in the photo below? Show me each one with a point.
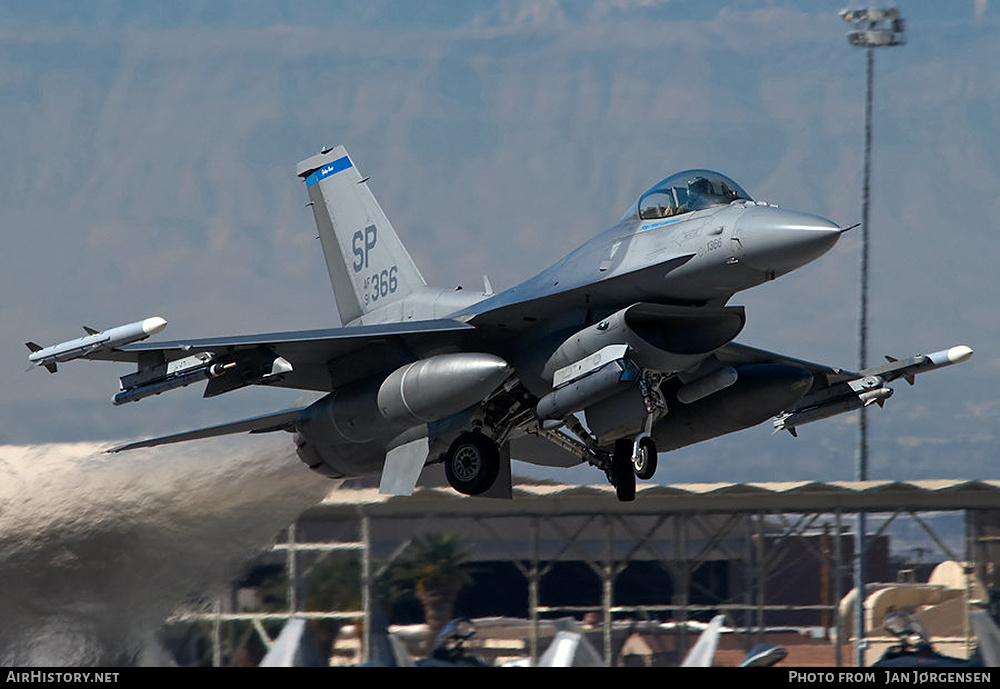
(777, 241)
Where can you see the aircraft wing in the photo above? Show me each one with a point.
(317, 360)
(837, 391)
(304, 345)
(823, 374)
(267, 423)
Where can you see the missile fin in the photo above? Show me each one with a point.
(34, 347)
(90, 331)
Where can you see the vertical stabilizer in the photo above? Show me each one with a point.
(369, 267)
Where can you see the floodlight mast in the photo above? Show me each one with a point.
(874, 28)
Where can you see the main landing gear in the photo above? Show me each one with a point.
(632, 459)
(622, 472)
(472, 463)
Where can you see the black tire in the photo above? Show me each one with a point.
(644, 463)
(622, 472)
(472, 464)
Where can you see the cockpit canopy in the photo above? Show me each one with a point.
(691, 190)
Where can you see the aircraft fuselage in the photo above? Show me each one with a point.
(696, 259)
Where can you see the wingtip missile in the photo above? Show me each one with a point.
(939, 359)
(909, 368)
(952, 355)
(152, 325)
(869, 388)
(93, 342)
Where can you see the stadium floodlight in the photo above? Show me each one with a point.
(873, 28)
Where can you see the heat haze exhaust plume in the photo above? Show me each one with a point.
(96, 550)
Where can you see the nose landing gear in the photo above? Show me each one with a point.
(644, 449)
(644, 458)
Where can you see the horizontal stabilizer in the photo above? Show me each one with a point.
(275, 421)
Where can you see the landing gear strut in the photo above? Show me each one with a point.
(644, 449)
(472, 463)
(644, 458)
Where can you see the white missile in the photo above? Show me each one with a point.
(953, 355)
(868, 389)
(909, 368)
(93, 342)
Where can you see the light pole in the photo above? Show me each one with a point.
(873, 28)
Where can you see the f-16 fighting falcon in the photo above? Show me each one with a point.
(623, 349)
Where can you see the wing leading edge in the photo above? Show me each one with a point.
(309, 345)
(317, 360)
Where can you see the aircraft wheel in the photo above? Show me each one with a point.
(622, 472)
(644, 462)
(472, 463)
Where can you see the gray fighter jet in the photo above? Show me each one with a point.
(623, 349)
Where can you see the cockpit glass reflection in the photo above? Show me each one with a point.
(689, 191)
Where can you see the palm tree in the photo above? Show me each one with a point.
(435, 567)
(335, 585)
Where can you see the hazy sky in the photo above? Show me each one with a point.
(150, 148)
